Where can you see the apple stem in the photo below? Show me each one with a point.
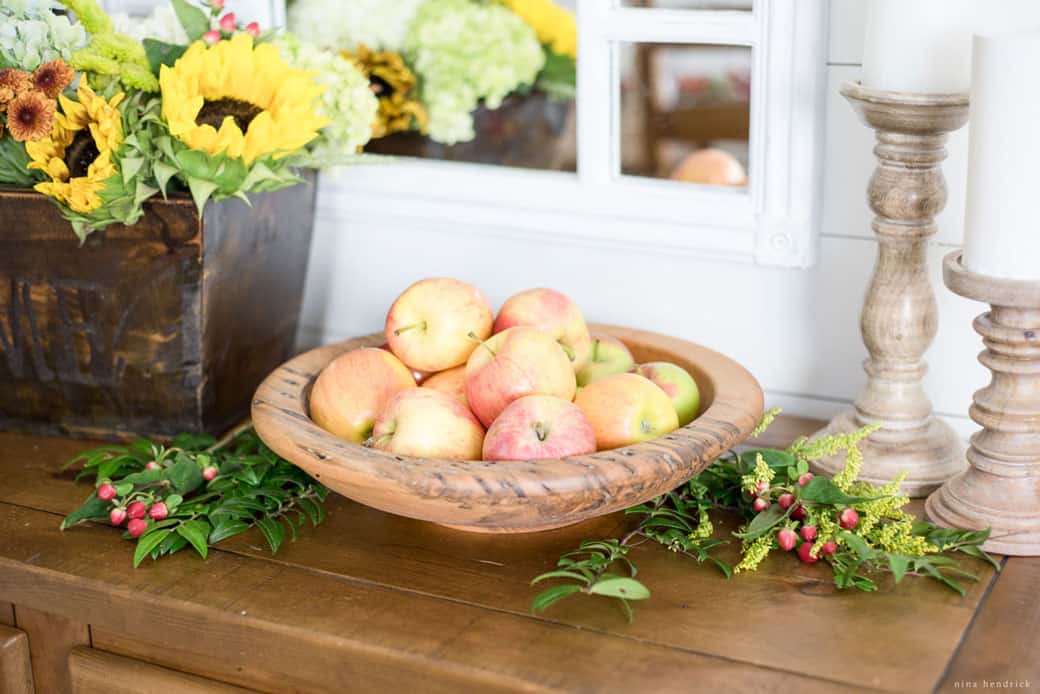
(595, 350)
(372, 441)
(567, 350)
(410, 327)
(540, 432)
(476, 338)
(646, 427)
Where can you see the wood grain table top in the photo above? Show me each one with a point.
(369, 601)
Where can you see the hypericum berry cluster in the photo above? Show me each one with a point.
(227, 24)
(133, 505)
(798, 533)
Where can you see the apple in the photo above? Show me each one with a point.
(452, 382)
(552, 312)
(516, 362)
(626, 408)
(427, 423)
(678, 384)
(419, 376)
(608, 356)
(354, 388)
(539, 427)
(432, 325)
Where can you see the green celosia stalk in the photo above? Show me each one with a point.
(110, 56)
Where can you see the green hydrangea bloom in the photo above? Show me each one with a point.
(31, 34)
(348, 102)
(466, 53)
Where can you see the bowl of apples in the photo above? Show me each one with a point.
(524, 421)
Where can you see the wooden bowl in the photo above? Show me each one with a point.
(513, 497)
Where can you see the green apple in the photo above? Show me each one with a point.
(609, 356)
(678, 384)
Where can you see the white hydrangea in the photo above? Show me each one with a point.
(31, 34)
(464, 53)
(162, 25)
(342, 24)
(348, 101)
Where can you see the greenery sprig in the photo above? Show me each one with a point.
(859, 529)
(197, 492)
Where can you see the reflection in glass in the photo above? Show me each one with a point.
(685, 112)
(746, 5)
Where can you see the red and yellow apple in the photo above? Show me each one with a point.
(435, 324)
(539, 427)
(427, 423)
(452, 382)
(419, 376)
(552, 312)
(678, 385)
(608, 356)
(626, 408)
(516, 362)
(354, 388)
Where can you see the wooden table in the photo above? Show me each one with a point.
(373, 602)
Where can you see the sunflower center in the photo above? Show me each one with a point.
(213, 113)
(81, 154)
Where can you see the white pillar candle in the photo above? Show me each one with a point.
(1001, 222)
(921, 46)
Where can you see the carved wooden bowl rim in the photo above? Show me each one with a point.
(512, 496)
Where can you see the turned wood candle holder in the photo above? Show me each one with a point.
(900, 315)
(1001, 488)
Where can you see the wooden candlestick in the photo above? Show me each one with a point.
(1001, 489)
(900, 315)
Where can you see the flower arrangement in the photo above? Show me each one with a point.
(432, 63)
(101, 120)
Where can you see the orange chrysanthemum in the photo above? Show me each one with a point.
(6, 94)
(51, 78)
(17, 81)
(30, 116)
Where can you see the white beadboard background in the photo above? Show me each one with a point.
(796, 330)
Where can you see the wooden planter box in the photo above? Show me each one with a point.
(162, 327)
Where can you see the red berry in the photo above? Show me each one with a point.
(106, 492)
(209, 472)
(786, 538)
(158, 511)
(117, 516)
(762, 487)
(829, 548)
(216, 4)
(848, 519)
(785, 501)
(152, 466)
(804, 553)
(760, 505)
(253, 29)
(136, 509)
(227, 22)
(798, 513)
(211, 37)
(808, 533)
(804, 479)
(136, 526)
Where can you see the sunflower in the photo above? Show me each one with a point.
(240, 100)
(394, 85)
(78, 154)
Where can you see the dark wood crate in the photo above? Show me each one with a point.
(162, 327)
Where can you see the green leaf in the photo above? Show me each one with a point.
(160, 53)
(898, 564)
(92, 509)
(194, 20)
(858, 545)
(197, 533)
(173, 501)
(193, 442)
(560, 573)
(774, 458)
(148, 542)
(821, 490)
(623, 587)
(201, 190)
(762, 522)
(273, 532)
(551, 595)
(184, 475)
(227, 528)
